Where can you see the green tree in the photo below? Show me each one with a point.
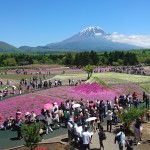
(31, 134)
(89, 69)
(120, 61)
(104, 60)
(129, 115)
(147, 61)
(69, 59)
(94, 57)
(115, 63)
(10, 62)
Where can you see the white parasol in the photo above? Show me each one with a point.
(90, 119)
(14, 86)
(76, 105)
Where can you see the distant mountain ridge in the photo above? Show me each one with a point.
(5, 47)
(90, 38)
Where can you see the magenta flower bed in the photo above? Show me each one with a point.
(26, 103)
(86, 91)
(88, 88)
(128, 89)
(92, 92)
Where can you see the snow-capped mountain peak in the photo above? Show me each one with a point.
(95, 38)
(92, 31)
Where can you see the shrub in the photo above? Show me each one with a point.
(129, 115)
(31, 134)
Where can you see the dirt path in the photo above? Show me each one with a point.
(145, 144)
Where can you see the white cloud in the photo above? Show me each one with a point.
(138, 40)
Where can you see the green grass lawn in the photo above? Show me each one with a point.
(114, 78)
(19, 77)
(146, 87)
(66, 77)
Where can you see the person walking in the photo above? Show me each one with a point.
(120, 137)
(138, 130)
(109, 120)
(147, 101)
(102, 136)
(70, 127)
(48, 122)
(86, 137)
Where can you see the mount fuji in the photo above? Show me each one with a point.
(91, 38)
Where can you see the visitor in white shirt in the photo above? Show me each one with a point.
(109, 119)
(86, 137)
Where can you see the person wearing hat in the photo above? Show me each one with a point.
(27, 117)
(18, 124)
(109, 119)
(70, 126)
(18, 114)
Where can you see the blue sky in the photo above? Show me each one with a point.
(40, 22)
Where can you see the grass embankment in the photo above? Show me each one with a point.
(96, 79)
(146, 87)
(118, 78)
(19, 77)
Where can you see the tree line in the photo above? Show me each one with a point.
(115, 58)
(79, 59)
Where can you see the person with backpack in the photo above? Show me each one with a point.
(102, 136)
(121, 139)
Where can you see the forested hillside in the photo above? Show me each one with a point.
(80, 59)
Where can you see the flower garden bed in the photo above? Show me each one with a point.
(45, 146)
(26, 103)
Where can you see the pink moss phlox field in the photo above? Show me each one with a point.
(89, 88)
(128, 89)
(26, 103)
(92, 92)
(86, 91)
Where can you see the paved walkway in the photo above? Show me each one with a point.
(108, 143)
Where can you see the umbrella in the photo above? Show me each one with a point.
(76, 105)
(90, 119)
(48, 106)
(40, 117)
(13, 86)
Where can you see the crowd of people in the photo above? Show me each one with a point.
(30, 85)
(82, 119)
(138, 70)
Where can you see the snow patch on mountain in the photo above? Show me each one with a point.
(92, 31)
